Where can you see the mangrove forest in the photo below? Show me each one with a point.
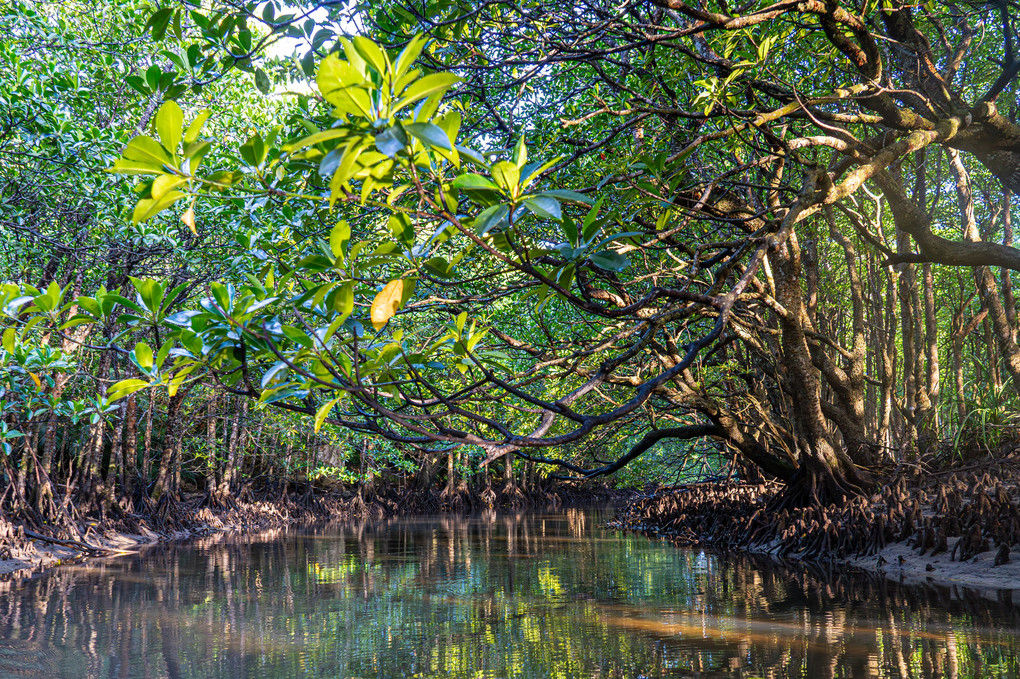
(721, 299)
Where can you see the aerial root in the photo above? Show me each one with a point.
(928, 514)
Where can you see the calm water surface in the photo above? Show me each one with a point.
(531, 595)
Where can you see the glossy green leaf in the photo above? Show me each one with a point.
(408, 55)
(506, 175)
(169, 120)
(391, 141)
(610, 261)
(545, 207)
(473, 182)
(196, 126)
(119, 390)
(146, 150)
(338, 235)
(429, 134)
(432, 84)
(262, 81)
(149, 207)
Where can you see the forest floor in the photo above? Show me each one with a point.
(25, 552)
(957, 526)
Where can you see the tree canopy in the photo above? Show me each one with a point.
(565, 233)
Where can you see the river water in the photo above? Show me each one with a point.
(491, 596)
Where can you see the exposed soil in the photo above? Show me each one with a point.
(957, 526)
(26, 550)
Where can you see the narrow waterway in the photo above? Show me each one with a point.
(490, 596)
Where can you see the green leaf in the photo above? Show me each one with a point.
(473, 182)
(372, 53)
(119, 390)
(262, 81)
(610, 261)
(391, 141)
(254, 150)
(408, 55)
(570, 230)
(570, 196)
(169, 120)
(142, 356)
(164, 351)
(224, 295)
(434, 83)
(159, 21)
(152, 77)
(330, 162)
(506, 175)
(535, 170)
(424, 111)
(590, 224)
(122, 166)
(490, 218)
(318, 137)
(546, 207)
(618, 236)
(519, 157)
(565, 278)
(429, 134)
(165, 183)
(339, 83)
(271, 374)
(323, 412)
(340, 234)
(344, 172)
(149, 207)
(146, 150)
(402, 229)
(343, 303)
(440, 267)
(196, 126)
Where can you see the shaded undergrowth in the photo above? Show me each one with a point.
(275, 506)
(962, 512)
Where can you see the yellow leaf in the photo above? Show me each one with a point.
(35, 378)
(189, 218)
(386, 303)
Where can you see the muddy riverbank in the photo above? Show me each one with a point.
(955, 526)
(29, 549)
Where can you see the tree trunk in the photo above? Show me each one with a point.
(987, 285)
(115, 467)
(171, 445)
(226, 488)
(130, 445)
(931, 329)
(825, 474)
(146, 472)
(210, 442)
(1007, 281)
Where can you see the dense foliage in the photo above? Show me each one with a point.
(588, 236)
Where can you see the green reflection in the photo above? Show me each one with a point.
(486, 596)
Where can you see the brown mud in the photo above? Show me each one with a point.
(28, 549)
(956, 526)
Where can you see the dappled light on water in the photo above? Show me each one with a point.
(488, 596)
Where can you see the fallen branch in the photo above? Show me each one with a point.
(73, 544)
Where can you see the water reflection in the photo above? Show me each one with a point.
(487, 596)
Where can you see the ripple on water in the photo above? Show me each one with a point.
(526, 595)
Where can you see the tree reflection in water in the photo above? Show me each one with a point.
(525, 595)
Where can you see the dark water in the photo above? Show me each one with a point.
(485, 597)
